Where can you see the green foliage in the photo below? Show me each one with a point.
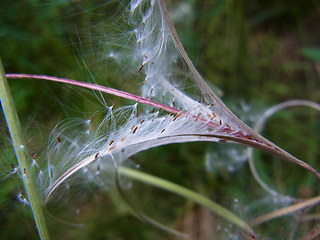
(250, 50)
(311, 53)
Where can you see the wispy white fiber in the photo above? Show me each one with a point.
(93, 152)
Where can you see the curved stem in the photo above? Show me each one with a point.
(206, 90)
(97, 87)
(186, 193)
(259, 127)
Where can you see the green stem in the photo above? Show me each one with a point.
(186, 193)
(26, 170)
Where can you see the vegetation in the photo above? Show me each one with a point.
(256, 54)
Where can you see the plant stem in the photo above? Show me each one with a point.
(97, 87)
(186, 193)
(26, 171)
(254, 140)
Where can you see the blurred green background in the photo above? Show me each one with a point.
(259, 53)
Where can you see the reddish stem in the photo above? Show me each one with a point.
(97, 87)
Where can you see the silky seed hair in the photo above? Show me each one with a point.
(162, 73)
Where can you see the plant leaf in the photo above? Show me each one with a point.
(313, 53)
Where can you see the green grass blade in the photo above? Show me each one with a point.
(26, 170)
(186, 193)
